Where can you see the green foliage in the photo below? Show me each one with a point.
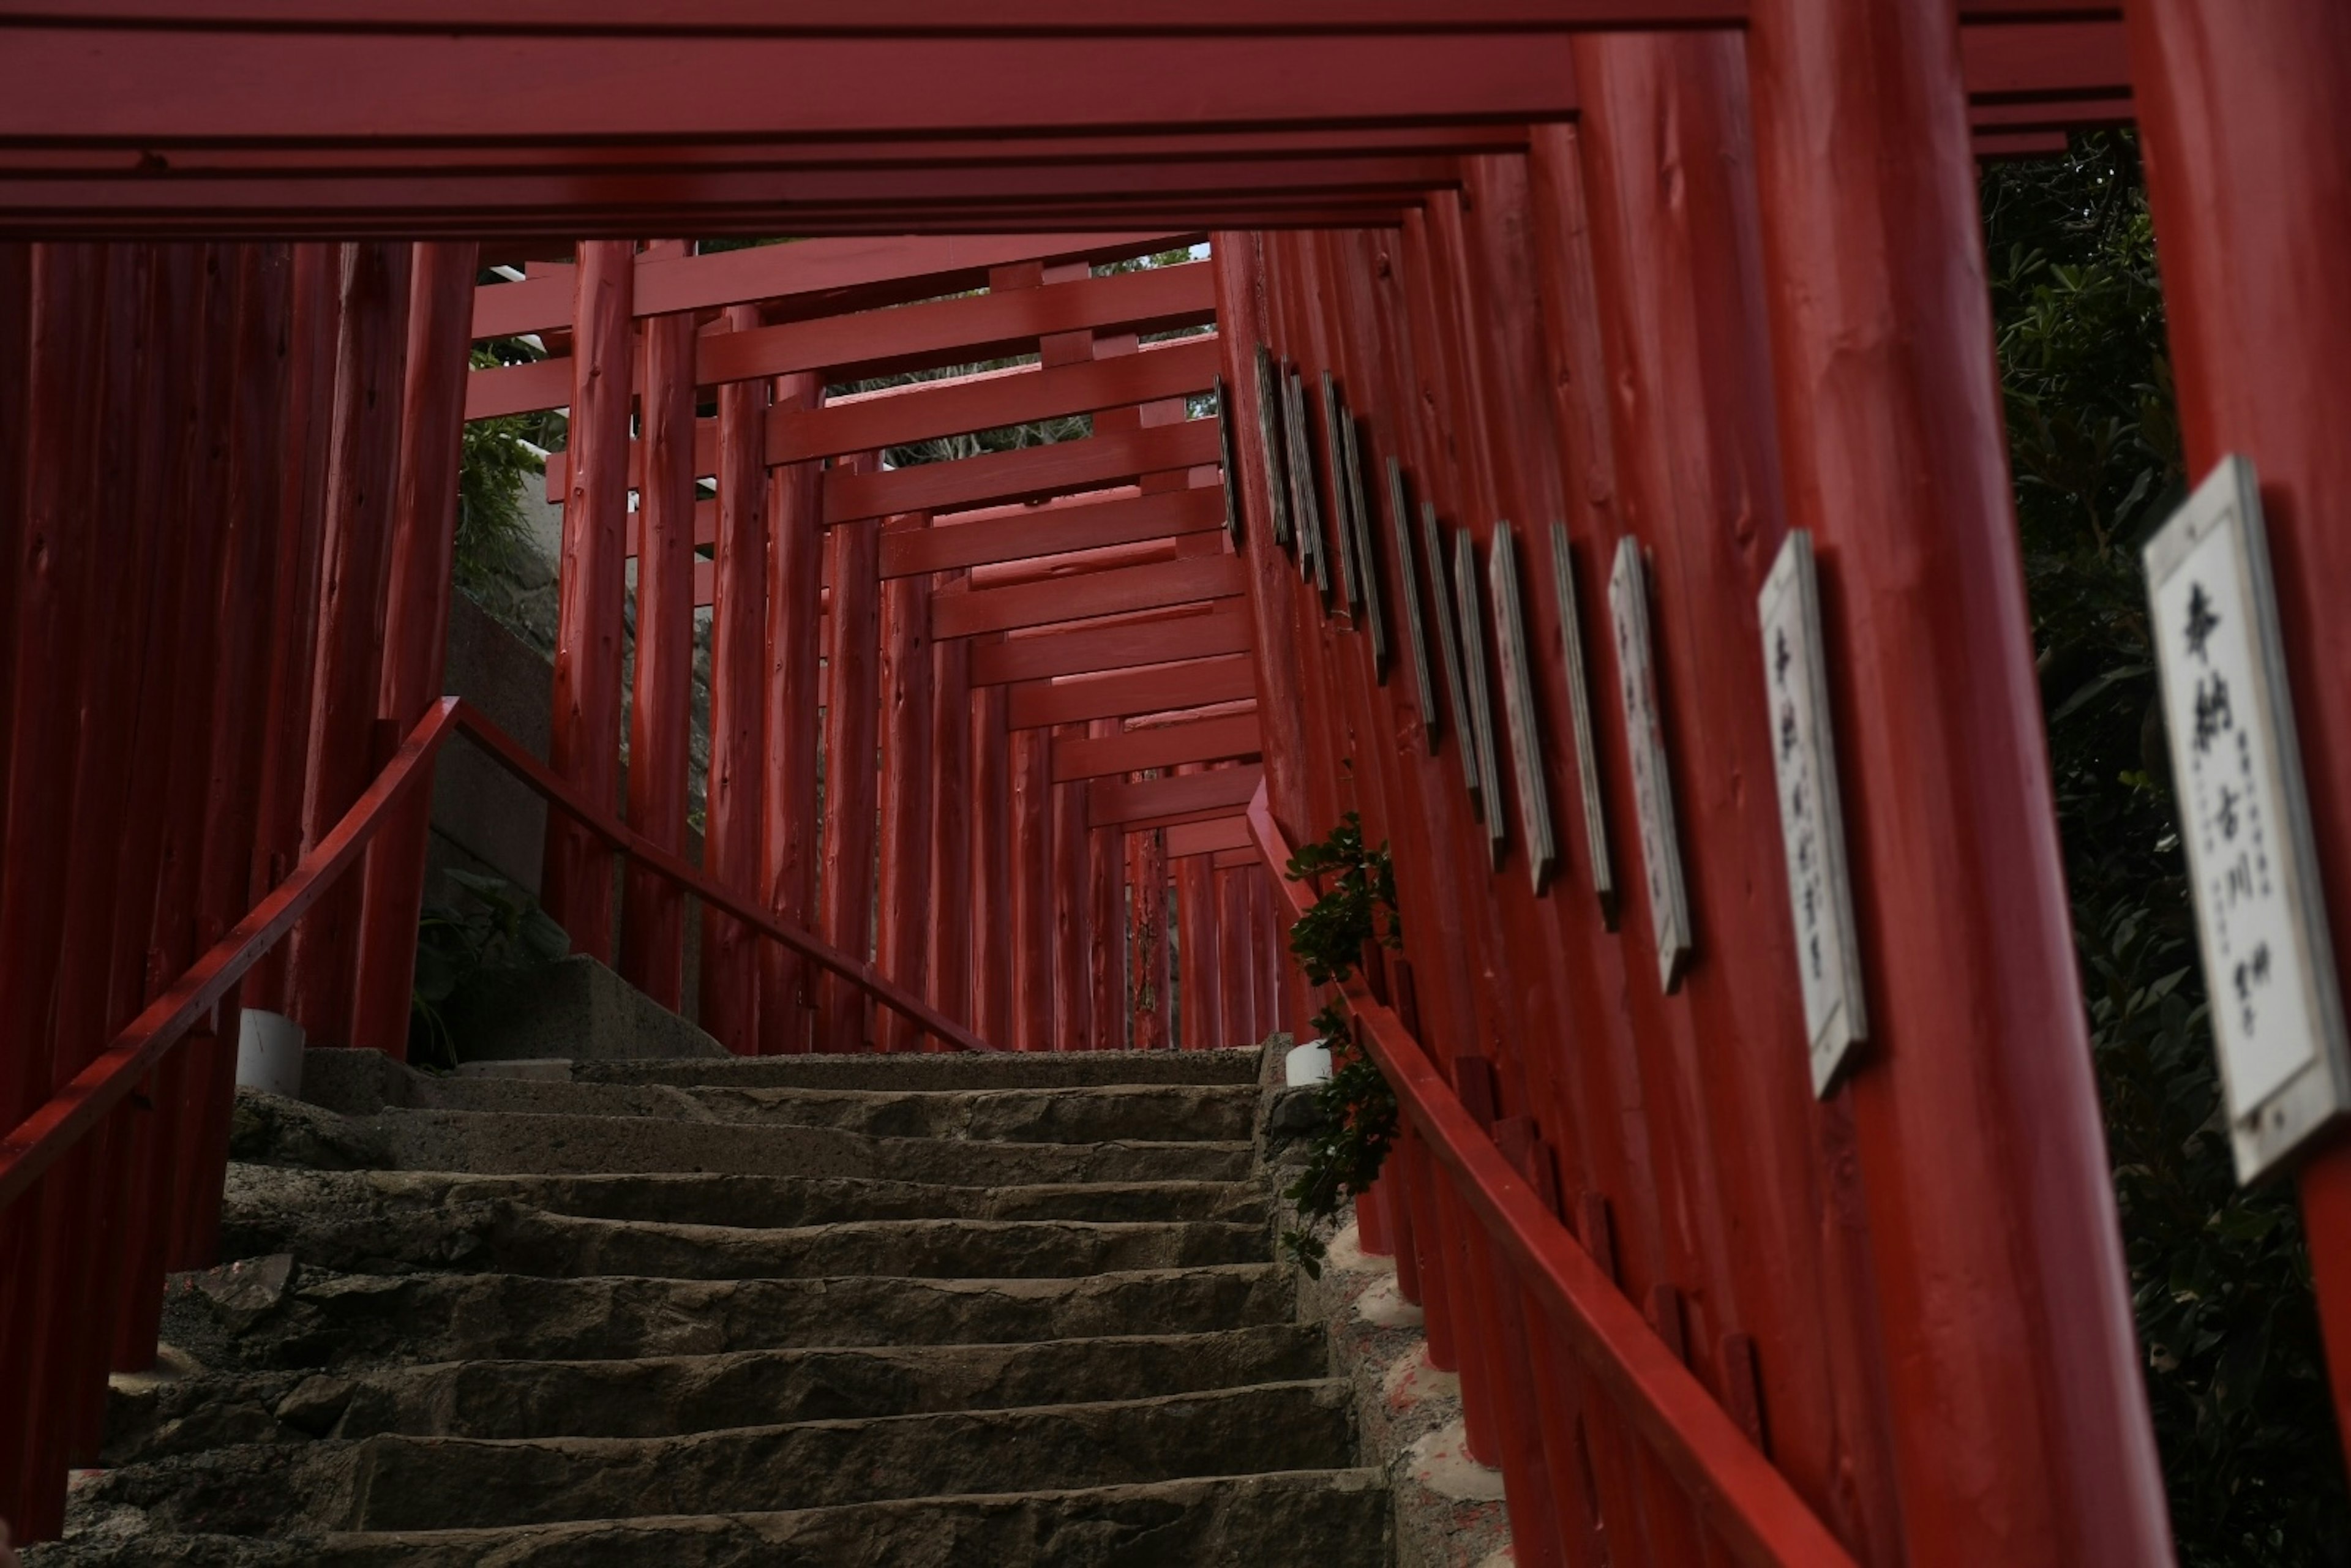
(2221, 1278)
(496, 458)
(503, 928)
(1356, 1123)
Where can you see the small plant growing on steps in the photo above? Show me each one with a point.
(504, 929)
(1358, 1109)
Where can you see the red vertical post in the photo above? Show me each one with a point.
(903, 937)
(652, 911)
(2024, 1434)
(992, 901)
(1106, 924)
(2239, 110)
(953, 913)
(1199, 1006)
(1033, 889)
(788, 841)
(848, 778)
(416, 623)
(1146, 884)
(1073, 1021)
(733, 815)
(1236, 963)
(584, 742)
(369, 356)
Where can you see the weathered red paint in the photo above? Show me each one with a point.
(952, 916)
(993, 941)
(851, 716)
(902, 949)
(788, 840)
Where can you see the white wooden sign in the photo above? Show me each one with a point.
(1359, 530)
(1448, 644)
(1518, 702)
(1334, 435)
(1269, 433)
(1226, 469)
(1408, 596)
(1480, 725)
(1305, 505)
(1812, 822)
(1579, 711)
(2269, 968)
(1644, 739)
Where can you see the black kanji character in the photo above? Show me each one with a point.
(2201, 619)
(2212, 714)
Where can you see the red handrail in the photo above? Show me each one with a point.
(43, 1137)
(1730, 1483)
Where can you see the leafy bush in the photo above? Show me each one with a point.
(2220, 1277)
(1356, 1123)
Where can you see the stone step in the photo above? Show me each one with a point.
(1175, 1112)
(398, 1482)
(1336, 1516)
(316, 1318)
(667, 1395)
(1003, 1070)
(364, 1221)
(271, 1131)
(508, 1241)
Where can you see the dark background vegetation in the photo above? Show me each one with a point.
(2220, 1277)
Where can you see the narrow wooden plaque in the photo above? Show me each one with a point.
(1811, 819)
(1424, 686)
(1226, 469)
(2236, 766)
(1644, 739)
(1519, 703)
(1306, 507)
(1448, 643)
(1343, 500)
(1359, 525)
(1471, 625)
(1579, 711)
(1268, 418)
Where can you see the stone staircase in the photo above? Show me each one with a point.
(794, 1310)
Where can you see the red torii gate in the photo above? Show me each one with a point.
(1933, 1347)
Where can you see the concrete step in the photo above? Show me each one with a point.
(272, 1131)
(1003, 1070)
(1337, 1516)
(668, 1395)
(322, 1319)
(398, 1482)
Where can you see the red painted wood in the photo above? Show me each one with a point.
(1118, 801)
(1155, 638)
(1055, 528)
(1072, 995)
(1201, 839)
(1081, 597)
(788, 836)
(1167, 688)
(1236, 971)
(852, 718)
(652, 915)
(1149, 976)
(1198, 1006)
(1886, 392)
(575, 885)
(992, 887)
(1033, 892)
(908, 764)
(735, 816)
(368, 376)
(1203, 740)
(2251, 330)
(1106, 919)
(953, 913)
(416, 622)
(1027, 473)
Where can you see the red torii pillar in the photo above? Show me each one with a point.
(734, 818)
(902, 949)
(849, 778)
(2249, 173)
(787, 837)
(2025, 1435)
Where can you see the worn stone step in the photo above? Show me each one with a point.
(521, 1241)
(398, 1482)
(365, 1221)
(1335, 1516)
(667, 1395)
(321, 1320)
(1160, 1113)
(271, 1131)
(1004, 1070)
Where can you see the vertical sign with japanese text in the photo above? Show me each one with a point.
(1645, 740)
(1268, 420)
(1579, 713)
(2269, 968)
(1478, 726)
(1408, 596)
(1811, 819)
(1518, 702)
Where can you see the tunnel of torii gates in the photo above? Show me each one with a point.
(1538, 356)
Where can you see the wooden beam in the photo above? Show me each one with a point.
(1209, 740)
(1243, 859)
(1080, 597)
(1155, 641)
(1117, 801)
(1124, 695)
(1207, 838)
(1054, 528)
(1032, 472)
